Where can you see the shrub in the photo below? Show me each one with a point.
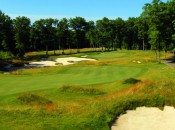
(5, 55)
(131, 81)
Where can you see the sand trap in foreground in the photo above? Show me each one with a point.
(144, 118)
(61, 61)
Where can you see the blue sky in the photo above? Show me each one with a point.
(88, 9)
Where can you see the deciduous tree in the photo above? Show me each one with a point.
(22, 35)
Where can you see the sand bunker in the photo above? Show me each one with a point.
(59, 61)
(145, 118)
(42, 64)
(71, 60)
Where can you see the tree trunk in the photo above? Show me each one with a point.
(59, 44)
(70, 49)
(54, 52)
(46, 50)
(63, 50)
(156, 55)
(159, 60)
(54, 49)
(113, 48)
(78, 50)
(165, 52)
(143, 44)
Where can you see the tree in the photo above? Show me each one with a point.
(63, 33)
(142, 26)
(44, 32)
(91, 34)
(22, 33)
(50, 33)
(131, 33)
(6, 34)
(119, 32)
(72, 40)
(154, 40)
(171, 13)
(79, 25)
(105, 33)
(155, 27)
(160, 16)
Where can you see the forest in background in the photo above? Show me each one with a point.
(154, 29)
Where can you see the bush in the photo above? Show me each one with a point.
(5, 55)
(131, 81)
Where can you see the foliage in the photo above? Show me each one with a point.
(21, 37)
(131, 81)
(79, 25)
(154, 29)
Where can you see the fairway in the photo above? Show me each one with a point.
(73, 75)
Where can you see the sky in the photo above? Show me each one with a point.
(88, 9)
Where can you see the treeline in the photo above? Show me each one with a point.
(154, 29)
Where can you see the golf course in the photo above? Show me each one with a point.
(87, 65)
(87, 95)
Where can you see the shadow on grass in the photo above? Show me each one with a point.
(3, 64)
(170, 61)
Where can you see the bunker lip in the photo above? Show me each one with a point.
(146, 118)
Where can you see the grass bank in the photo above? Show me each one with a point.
(87, 95)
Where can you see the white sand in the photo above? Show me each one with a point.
(145, 118)
(62, 61)
(42, 64)
(71, 60)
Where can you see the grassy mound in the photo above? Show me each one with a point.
(33, 99)
(79, 89)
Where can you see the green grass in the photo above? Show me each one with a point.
(87, 95)
(74, 75)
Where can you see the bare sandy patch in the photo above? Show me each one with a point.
(59, 61)
(42, 64)
(144, 118)
(71, 60)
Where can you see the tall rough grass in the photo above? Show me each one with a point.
(80, 89)
(91, 114)
(33, 99)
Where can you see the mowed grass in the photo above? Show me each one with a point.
(73, 75)
(87, 95)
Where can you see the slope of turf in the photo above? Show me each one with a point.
(74, 75)
(85, 96)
